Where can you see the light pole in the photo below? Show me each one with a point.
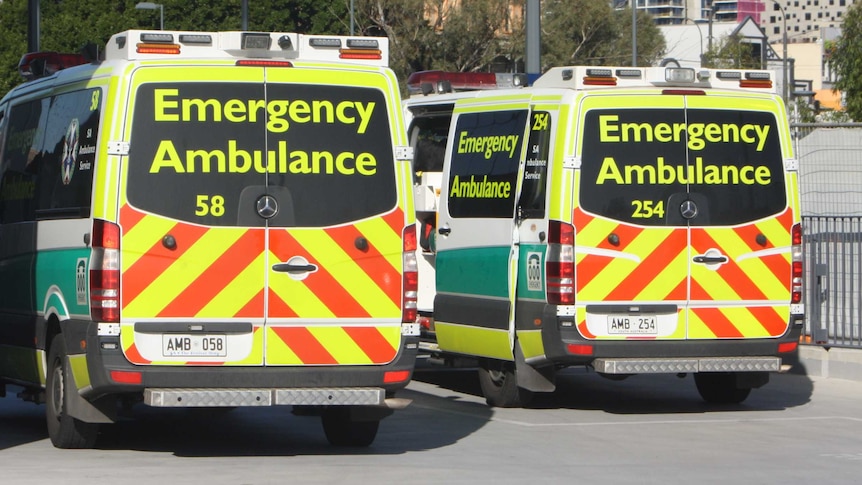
(699, 33)
(785, 78)
(153, 6)
(634, 33)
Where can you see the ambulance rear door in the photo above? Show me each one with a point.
(262, 223)
(477, 252)
(682, 219)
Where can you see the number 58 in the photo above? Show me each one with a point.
(209, 205)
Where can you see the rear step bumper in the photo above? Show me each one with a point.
(197, 397)
(687, 365)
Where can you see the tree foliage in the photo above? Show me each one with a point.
(846, 61)
(466, 35)
(732, 52)
(586, 32)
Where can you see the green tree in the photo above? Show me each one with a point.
(732, 52)
(67, 25)
(586, 32)
(846, 61)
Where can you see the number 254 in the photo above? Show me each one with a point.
(644, 209)
(209, 205)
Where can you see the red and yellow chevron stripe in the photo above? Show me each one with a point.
(746, 297)
(224, 273)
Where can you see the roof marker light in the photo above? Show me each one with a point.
(144, 48)
(324, 42)
(363, 44)
(630, 73)
(728, 75)
(157, 38)
(196, 39)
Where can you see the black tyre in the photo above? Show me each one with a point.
(342, 430)
(499, 383)
(64, 430)
(720, 388)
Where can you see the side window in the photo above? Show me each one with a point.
(428, 136)
(48, 157)
(532, 202)
(65, 175)
(20, 160)
(484, 163)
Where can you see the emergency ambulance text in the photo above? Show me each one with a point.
(696, 174)
(278, 113)
(280, 160)
(697, 134)
(481, 189)
(487, 144)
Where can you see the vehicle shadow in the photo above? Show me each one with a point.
(20, 422)
(582, 389)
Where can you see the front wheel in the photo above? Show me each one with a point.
(720, 388)
(342, 429)
(64, 430)
(499, 382)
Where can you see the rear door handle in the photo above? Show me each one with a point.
(710, 259)
(444, 230)
(293, 268)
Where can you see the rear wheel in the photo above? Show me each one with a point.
(720, 388)
(342, 429)
(499, 383)
(64, 430)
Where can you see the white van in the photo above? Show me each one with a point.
(634, 220)
(208, 219)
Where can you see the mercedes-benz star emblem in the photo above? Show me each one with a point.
(267, 206)
(688, 209)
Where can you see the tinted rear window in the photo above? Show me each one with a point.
(206, 152)
(639, 165)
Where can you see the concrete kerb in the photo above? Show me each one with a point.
(830, 362)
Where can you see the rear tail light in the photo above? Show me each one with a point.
(105, 272)
(410, 278)
(560, 265)
(796, 261)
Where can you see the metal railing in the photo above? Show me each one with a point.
(833, 280)
(830, 179)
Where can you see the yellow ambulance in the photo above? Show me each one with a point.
(633, 220)
(208, 219)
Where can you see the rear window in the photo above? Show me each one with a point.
(484, 163)
(206, 152)
(640, 165)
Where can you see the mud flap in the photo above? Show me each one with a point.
(531, 378)
(104, 410)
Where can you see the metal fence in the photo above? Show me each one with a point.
(830, 179)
